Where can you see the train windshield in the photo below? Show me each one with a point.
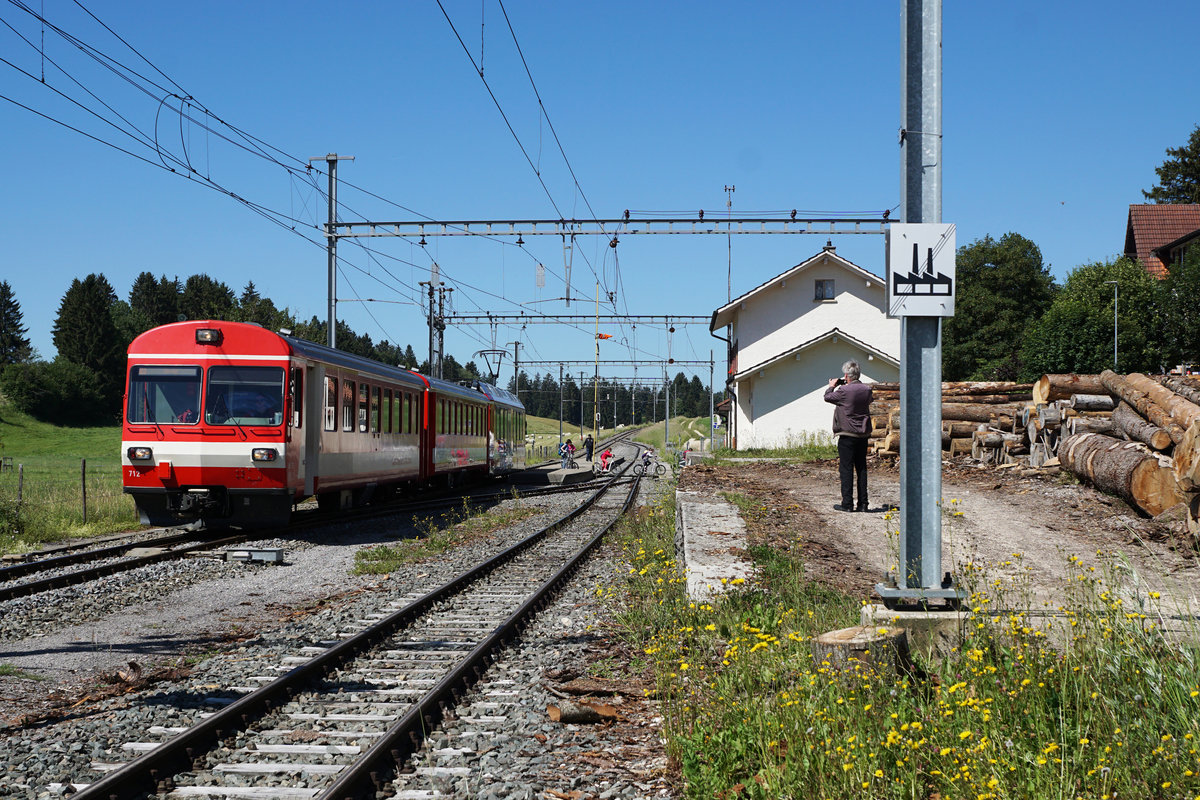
(244, 396)
(164, 395)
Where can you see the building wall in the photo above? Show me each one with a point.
(781, 317)
(787, 402)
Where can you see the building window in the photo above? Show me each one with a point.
(824, 289)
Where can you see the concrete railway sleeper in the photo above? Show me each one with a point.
(346, 717)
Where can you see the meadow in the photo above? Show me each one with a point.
(58, 483)
(1092, 700)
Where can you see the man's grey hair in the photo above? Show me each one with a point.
(851, 371)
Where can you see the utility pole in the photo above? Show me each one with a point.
(729, 241)
(441, 329)
(516, 369)
(711, 400)
(331, 237)
(560, 402)
(582, 405)
(432, 325)
(596, 379)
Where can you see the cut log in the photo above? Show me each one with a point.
(1186, 463)
(965, 387)
(960, 447)
(1151, 411)
(992, 399)
(1091, 425)
(1131, 425)
(969, 412)
(995, 438)
(1185, 387)
(1092, 402)
(1127, 469)
(1182, 410)
(960, 430)
(1049, 417)
(1059, 387)
(882, 651)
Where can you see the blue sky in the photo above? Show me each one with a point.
(1055, 116)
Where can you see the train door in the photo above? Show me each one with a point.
(314, 399)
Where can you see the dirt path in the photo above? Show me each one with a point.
(1020, 530)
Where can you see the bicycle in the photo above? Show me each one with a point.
(657, 467)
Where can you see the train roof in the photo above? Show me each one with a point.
(500, 396)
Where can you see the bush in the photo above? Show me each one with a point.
(59, 392)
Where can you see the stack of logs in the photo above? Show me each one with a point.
(1130, 435)
(978, 418)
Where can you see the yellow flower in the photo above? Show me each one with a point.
(965, 735)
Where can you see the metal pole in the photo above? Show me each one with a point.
(582, 407)
(712, 366)
(596, 379)
(921, 347)
(1114, 285)
(432, 368)
(83, 486)
(516, 370)
(560, 402)
(331, 238)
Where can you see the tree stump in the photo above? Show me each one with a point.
(882, 650)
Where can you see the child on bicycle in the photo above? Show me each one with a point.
(564, 452)
(605, 457)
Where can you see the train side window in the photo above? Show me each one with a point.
(349, 392)
(362, 407)
(387, 411)
(374, 409)
(296, 390)
(440, 422)
(416, 413)
(331, 398)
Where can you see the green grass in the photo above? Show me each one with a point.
(805, 447)
(50, 488)
(1103, 705)
(545, 433)
(9, 671)
(681, 429)
(438, 535)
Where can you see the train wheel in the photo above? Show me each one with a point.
(329, 501)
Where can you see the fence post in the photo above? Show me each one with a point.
(83, 486)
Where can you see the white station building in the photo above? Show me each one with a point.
(790, 335)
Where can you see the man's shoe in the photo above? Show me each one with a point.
(843, 507)
(862, 507)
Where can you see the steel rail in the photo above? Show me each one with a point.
(35, 565)
(186, 750)
(365, 779)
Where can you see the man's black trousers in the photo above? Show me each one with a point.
(852, 456)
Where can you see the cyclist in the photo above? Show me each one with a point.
(605, 457)
(647, 457)
(564, 452)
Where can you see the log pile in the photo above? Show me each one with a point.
(1131, 435)
(972, 411)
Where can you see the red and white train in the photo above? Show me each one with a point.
(231, 424)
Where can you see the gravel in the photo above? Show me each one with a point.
(248, 617)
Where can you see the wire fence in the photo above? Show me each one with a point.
(53, 498)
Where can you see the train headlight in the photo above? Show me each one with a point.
(140, 454)
(264, 454)
(208, 335)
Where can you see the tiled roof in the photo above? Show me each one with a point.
(1152, 226)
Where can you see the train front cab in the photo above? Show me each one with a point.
(204, 435)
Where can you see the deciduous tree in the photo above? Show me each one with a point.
(1002, 285)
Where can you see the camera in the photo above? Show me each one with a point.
(840, 382)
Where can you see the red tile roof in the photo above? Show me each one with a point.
(1152, 226)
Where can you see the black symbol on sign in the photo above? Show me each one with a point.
(921, 280)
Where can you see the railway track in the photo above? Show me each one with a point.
(116, 558)
(345, 715)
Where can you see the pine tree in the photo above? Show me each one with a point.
(205, 298)
(85, 333)
(14, 345)
(1179, 175)
(155, 301)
